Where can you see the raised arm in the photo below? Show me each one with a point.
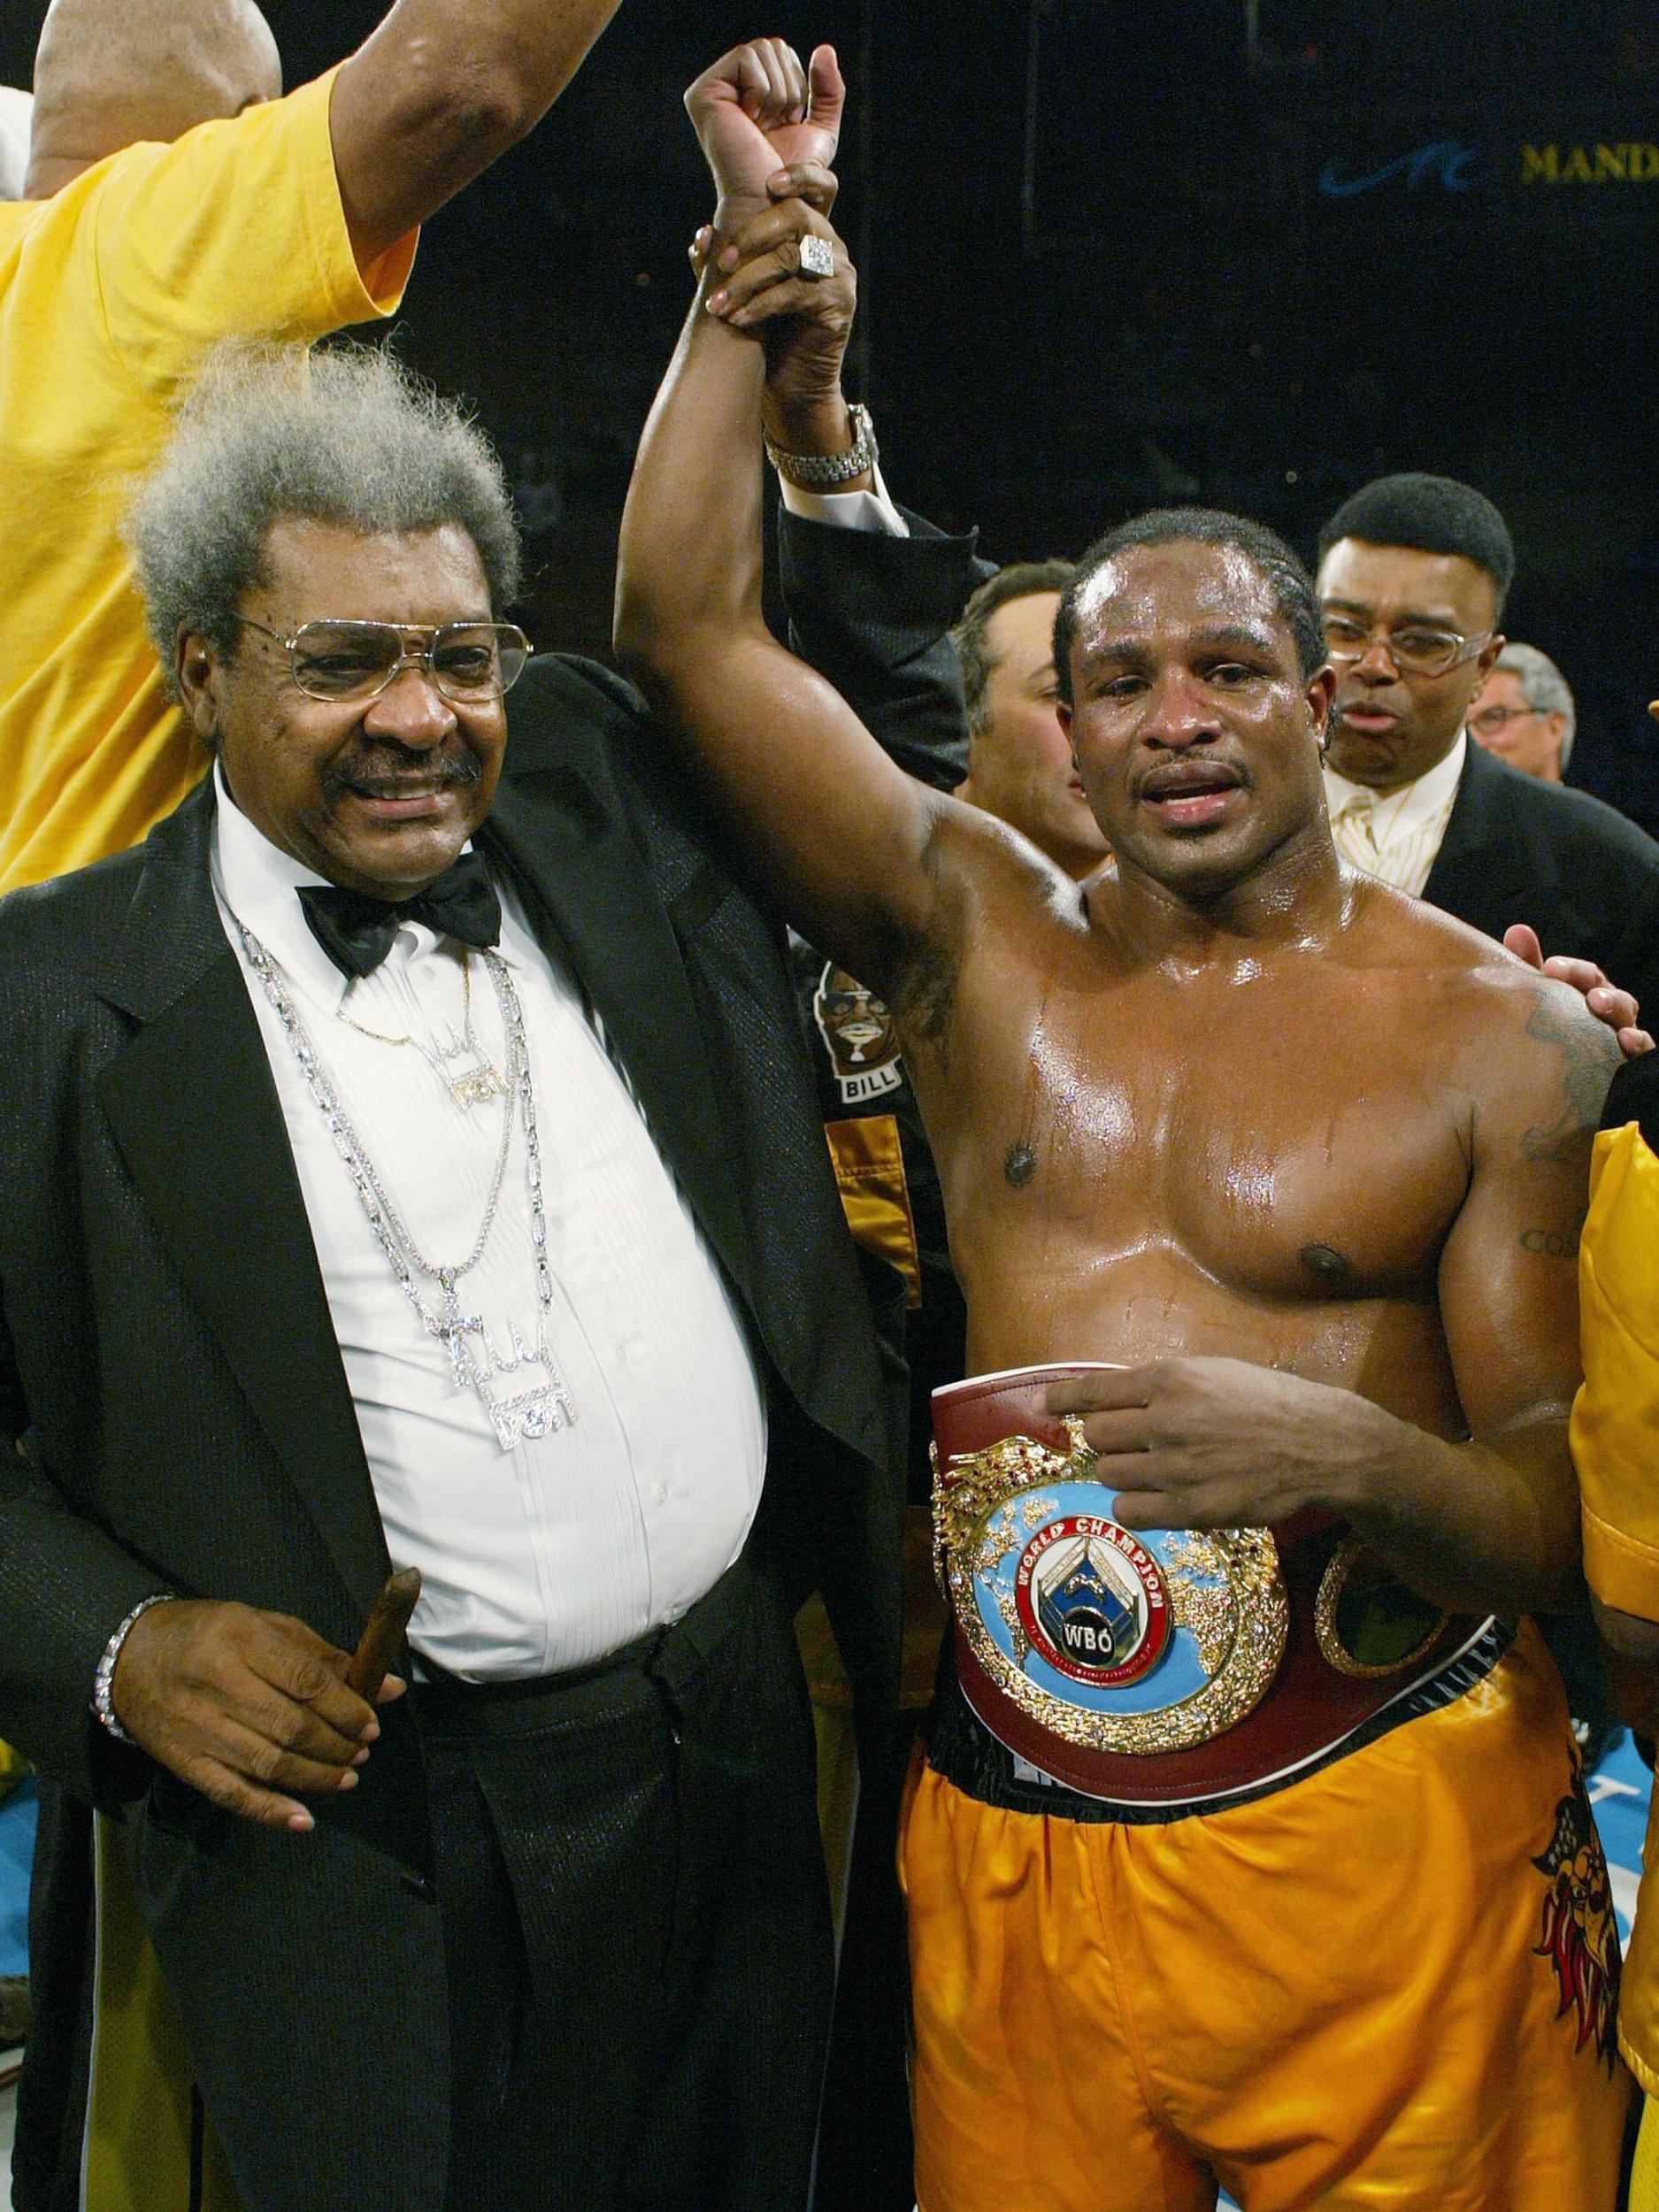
(871, 593)
(439, 90)
(846, 842)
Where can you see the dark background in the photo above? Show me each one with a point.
(1116, 252)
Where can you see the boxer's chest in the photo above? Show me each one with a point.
(1277, 1143)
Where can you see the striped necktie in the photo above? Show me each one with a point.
(1353, 828)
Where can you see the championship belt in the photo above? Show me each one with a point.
(1166, 1666)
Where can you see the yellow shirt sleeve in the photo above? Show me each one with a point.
(1615, 1417)
(112, 293)
(234, 229)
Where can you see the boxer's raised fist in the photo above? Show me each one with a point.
(757, 110)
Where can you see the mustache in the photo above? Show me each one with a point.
(383, 766)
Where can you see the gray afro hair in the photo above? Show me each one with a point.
(346, 436)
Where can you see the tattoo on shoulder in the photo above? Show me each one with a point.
(1593, 1058)
(1019, 1165)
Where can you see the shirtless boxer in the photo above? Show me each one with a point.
(1308, 1160)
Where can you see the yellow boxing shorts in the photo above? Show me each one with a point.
(1388, 1987)
(1644, 2181)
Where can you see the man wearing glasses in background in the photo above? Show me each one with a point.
(1413, 574)
(1524, 713)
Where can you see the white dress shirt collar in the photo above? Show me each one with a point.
(1398, 813)
(259, 883)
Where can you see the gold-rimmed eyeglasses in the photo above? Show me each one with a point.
(1415, 648)
(468, 662)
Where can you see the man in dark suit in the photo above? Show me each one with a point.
(1413, 574)
(408, 1159)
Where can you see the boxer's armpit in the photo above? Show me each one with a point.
(1594, 1058)
(926, 1000)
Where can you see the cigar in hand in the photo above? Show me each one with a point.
(383, 1633)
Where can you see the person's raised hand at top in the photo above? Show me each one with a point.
(758, 113)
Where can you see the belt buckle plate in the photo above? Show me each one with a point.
(1110, 1640)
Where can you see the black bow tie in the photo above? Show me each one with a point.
(357, 931)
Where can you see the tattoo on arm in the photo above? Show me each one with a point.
(1550, 1244)
(1594, 1059)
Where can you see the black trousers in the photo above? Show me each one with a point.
(635, 1924)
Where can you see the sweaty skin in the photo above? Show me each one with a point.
(1307, 1158)
(1230, 1156)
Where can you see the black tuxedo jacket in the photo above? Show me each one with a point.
(169, 1374)
(873, 610)
(1587, 881)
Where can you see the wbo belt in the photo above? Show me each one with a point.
(1168, 1666)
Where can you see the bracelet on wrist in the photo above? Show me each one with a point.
(103, 1704)
(822, 471)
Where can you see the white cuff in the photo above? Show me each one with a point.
(848, 510)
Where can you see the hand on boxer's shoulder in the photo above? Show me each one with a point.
(245, 1706)
(1617, 1009)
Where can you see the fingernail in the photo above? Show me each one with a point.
(359, 1758)
(301, 1823)
(349, 1779)
(780, 181)
(728, 257)
(369, 1732)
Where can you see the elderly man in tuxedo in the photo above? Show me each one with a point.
(407, 1160)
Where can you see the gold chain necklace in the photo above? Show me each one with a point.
(472, 1086)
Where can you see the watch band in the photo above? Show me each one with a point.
(816, 471)
(103, 1704)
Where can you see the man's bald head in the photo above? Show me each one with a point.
(110, 73)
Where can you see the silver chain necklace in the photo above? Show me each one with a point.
(533, 1413)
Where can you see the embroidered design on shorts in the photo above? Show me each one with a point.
(1579, 1934)
(860, 1036)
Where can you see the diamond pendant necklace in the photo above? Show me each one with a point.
(475, 1359)
(473, 1086)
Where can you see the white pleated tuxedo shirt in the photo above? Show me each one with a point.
(560, 1551)
(1396, 834)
